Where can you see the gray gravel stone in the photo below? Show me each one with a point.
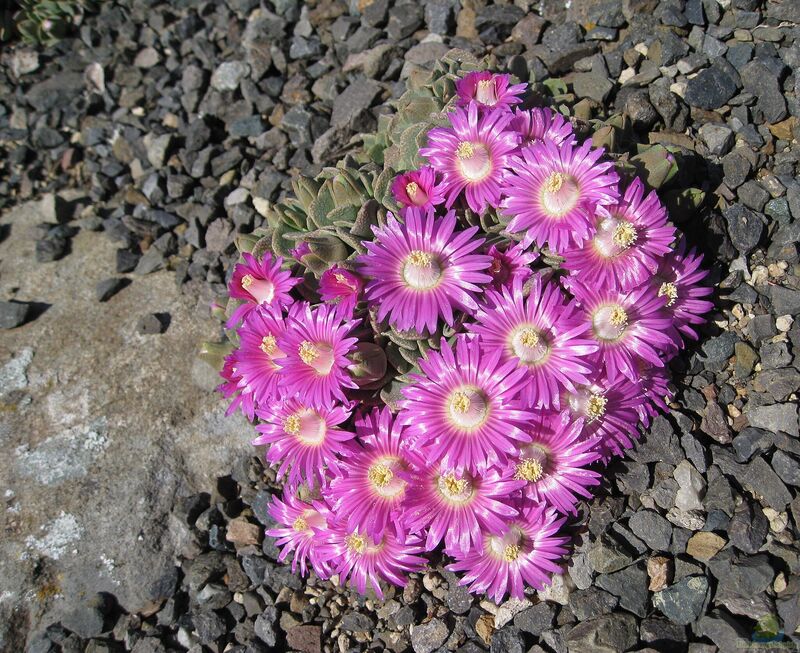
(13, 314)
(427, 637)
(356, 98)
(630, 586)
(744, 226)
(683, 602)
(652, 528)
(710, 89)
(787, 467)
(606, 634)
(228, 75)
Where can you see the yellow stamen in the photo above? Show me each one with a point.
(460, 402)
(465, 150)
(411, 188)
(596, 406)
(308, 352)
(529, 338)
(268, 345)
(247, 281)
(529, 469)
(619, 318)
(485, 83)
(300, 524)
(380, 475)
(670, 290)
(340, 277)
(455, 486)
(291, 425)
(356, 543)
(420, 259)
(511, 553)
(554, 182)
(624, 235)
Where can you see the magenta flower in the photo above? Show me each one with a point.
(371, 487)
(510, 264)
(655, 385)
(304, 439)
(422, 270)
(353, 554)
(464, 410)
(316, 345)
(472, 155)
(627, 327)
(541, 125)
(630, 239)
(678, 281)
(552, 193)
(258, 361)
(554, 464)
(489, 90)
(525, 554)
(341, 288)
(418, 188)
(235, 389)
(300, 250)
(544, 334)
(299, 533)
(609, 412)
(259, 282)
(455, 506)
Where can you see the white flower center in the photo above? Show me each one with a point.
(421, 271)
(596, 406)
(532, 464)
(529, 345)
(306, 425)
(560, 194)
(670, 291)
(454, 489)
(614, 236)
(609, 322)
(468, 407)
(356, 543)
(262, 290)
(318, 356)
(486, 92)
(474, 161)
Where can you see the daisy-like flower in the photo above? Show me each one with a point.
(678, 280)
(455, 506)
(259, 355)
(627, 326)
(554, 464)
(464, 409)
(544, 334)
(525, 554)
(304, 439)
(355, 555)
(542, 124)
(489, 90)
(510, 264)
(235, 389)
(630, 239)
(654, 384)
(422, 270)
(610, 413)
(316, 345)
(553, 192)
(259, 282)
(372, 486)
(473, 155)
(341, 288)
(299, 531)
(418, 188)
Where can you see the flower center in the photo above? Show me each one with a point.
(596, 406)
(318, 356)
(421, 271)
(529, 345)
(624, 235)
(610, 322)
(511, 552)
(300, 524)
(455, 490)
(306, 425)
(474, 161)
(411, 189)
(340, 277)
(486, 92)
(380, 475)
(670, 291)
(268, 345)
(262, 290)
(529, 469)
(560, 194)
(356, 543)
(468, 407)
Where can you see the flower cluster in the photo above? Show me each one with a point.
(502, 427)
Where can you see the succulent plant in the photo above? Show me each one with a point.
(47, 21)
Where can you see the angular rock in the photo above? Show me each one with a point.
(606, 634)
(630, 585)
(704, 545)
(652, 528)
(744, 226)
(13, 314)
(710, 89)
(427, 637)
(778, 417)
(228, 75)
(356, 98)
(107, 288)
(683, 602)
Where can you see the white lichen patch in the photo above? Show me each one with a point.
(59, 536)
(14, 374)
(64, 456)
(109, 566)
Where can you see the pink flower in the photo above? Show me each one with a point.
(421, 270)
(300, 525)
(341, 288)
(472, 155)
(552, 193)
(489, 90)
(259, 355)
(236, 389)
(509, 265)
(525, 554)
(259, 282)
(541, 125)
(463, 410)
(418, 188)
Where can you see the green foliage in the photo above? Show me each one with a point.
(43, 21)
